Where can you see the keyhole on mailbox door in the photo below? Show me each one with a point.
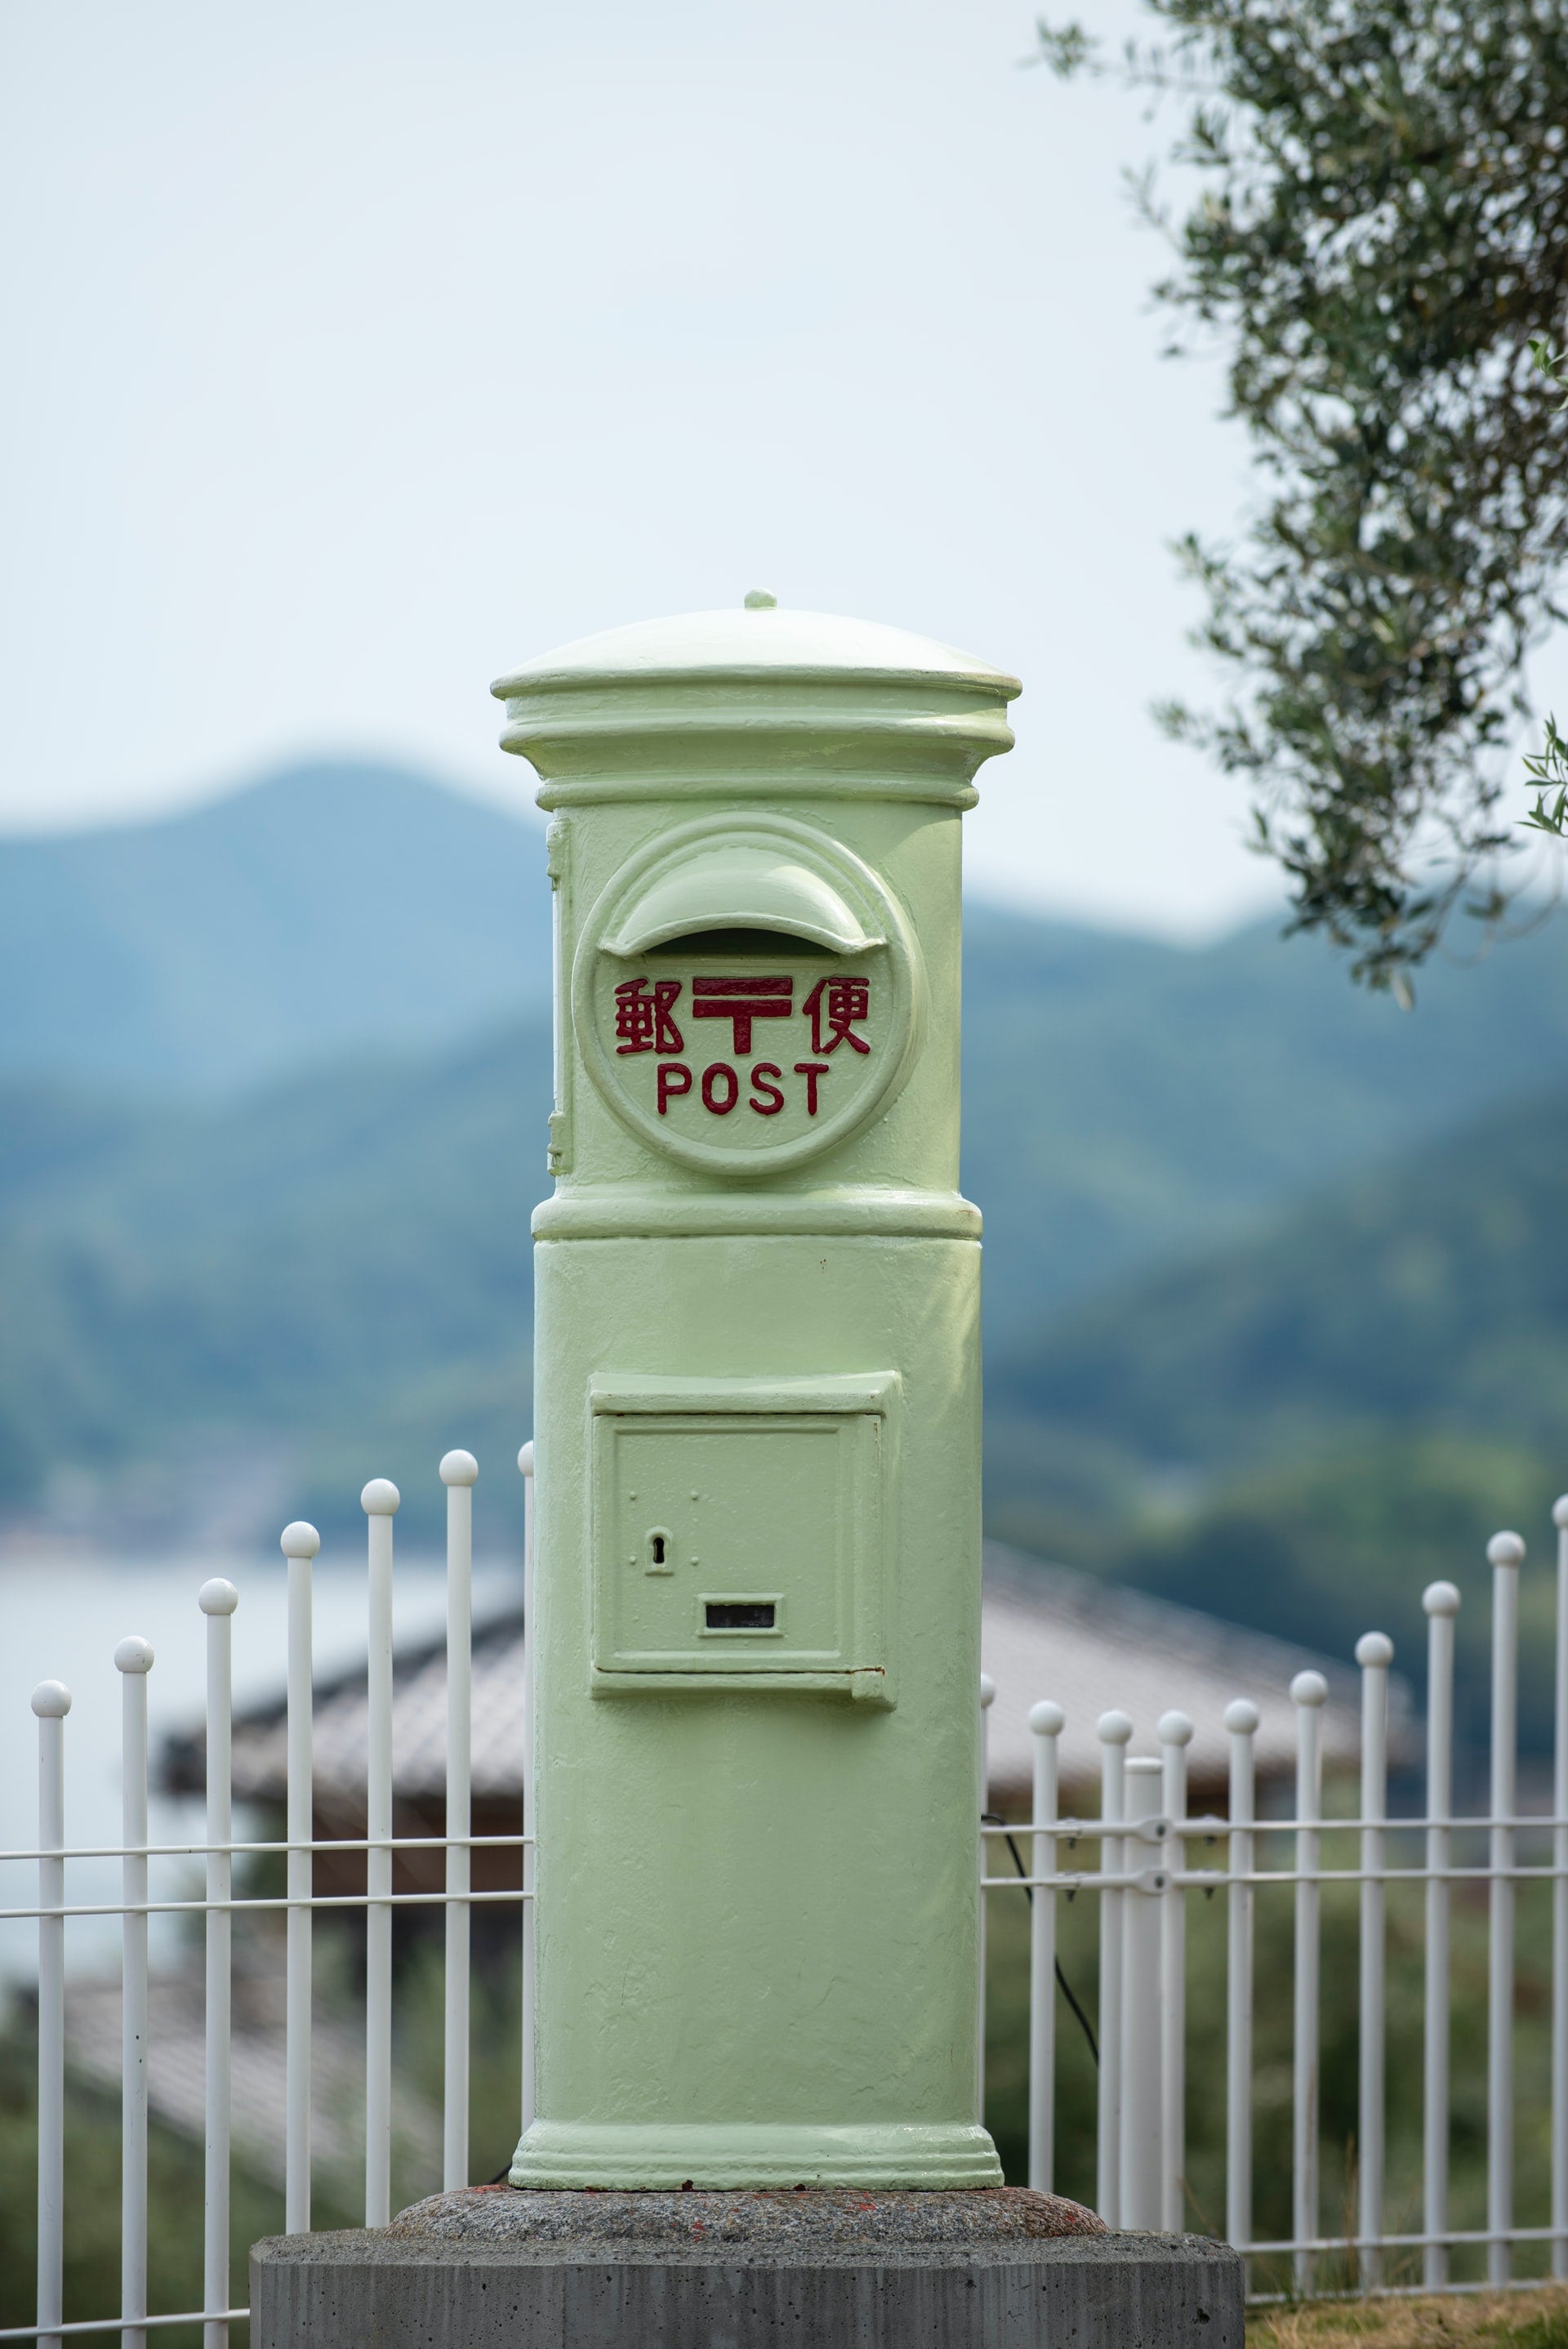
(660, 1545)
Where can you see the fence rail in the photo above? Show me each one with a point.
(1143, 1882)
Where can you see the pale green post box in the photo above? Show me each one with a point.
(756, 1583)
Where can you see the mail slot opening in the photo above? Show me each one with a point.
(739, 1614)
(737, 941)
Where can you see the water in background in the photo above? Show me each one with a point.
(61, 1619)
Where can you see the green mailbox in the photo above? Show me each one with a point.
(756, 1583)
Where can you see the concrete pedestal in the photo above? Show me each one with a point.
(987, 2269)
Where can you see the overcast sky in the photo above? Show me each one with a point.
(358, 348)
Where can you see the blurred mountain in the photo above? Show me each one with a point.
(1301, 1430)
(334, 1262)
(298, 1273)
(1126, 1100)
(326, 909)
(1430, 1293)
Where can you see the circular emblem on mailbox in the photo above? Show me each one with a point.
(746, 994)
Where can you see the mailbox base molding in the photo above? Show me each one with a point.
(729, 2155)
(1000, 2269)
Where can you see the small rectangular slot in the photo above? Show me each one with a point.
(739, 1615)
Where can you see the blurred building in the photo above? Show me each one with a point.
(1045, 1632)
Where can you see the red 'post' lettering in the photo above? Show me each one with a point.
(813, 1071)
(764, 1077)
(720, 1074)
(674, 1078)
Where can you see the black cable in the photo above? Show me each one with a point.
(991, 1819)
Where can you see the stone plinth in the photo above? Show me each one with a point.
(492, 2268)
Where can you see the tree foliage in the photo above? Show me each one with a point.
(1379, 236)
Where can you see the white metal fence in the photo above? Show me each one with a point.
(1144, 1882)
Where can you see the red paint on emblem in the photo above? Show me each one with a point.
(836, 1008)
(720, 1076)
(669, 1088)
(812, 1071)
(764, 1078)
(742, 1000)
(643, 1021)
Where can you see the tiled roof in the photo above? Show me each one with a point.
(1045, 1632)
(1094, 1646)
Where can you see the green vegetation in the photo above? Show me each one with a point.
(332, 1272)
(1431, 1293)
(1380, 244)
(1270, 1328)
(1487, 2321)
(1300, 1433)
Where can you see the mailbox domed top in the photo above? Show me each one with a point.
(764, 641)
(766, 696)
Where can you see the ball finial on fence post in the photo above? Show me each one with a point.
(1505, 1549)
(1440, 1598)
(1309, 1688)
(459, 1468)
(1241, 1717)
(299, 1540)
(51, 1700)
(133, 1655)
(381, 1499)
(217, 1596)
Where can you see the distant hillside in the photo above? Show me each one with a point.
(339, 1266)
(1124, 1095)
(1300, 1431)
(1430, 1294)
(334, 1260)
(1126, 1100)
(338, 1258)
(325, 909)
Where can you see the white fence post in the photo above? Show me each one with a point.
(1113, 1730)
(133, 1660)
(530, 1848)
(379, 1500)
(458, 1472)
(1142, 2162)
(1309, 1695)
(218, 1601)
(1140, 2151)
(1241, 1724)
(1504, 1554)
(51, 1702)
(1047, 1721)
(299, 1542)
(1175, 1732)
(1373, 1654)
(1441, 1602)
(987, 1699)
(1559, 1914)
